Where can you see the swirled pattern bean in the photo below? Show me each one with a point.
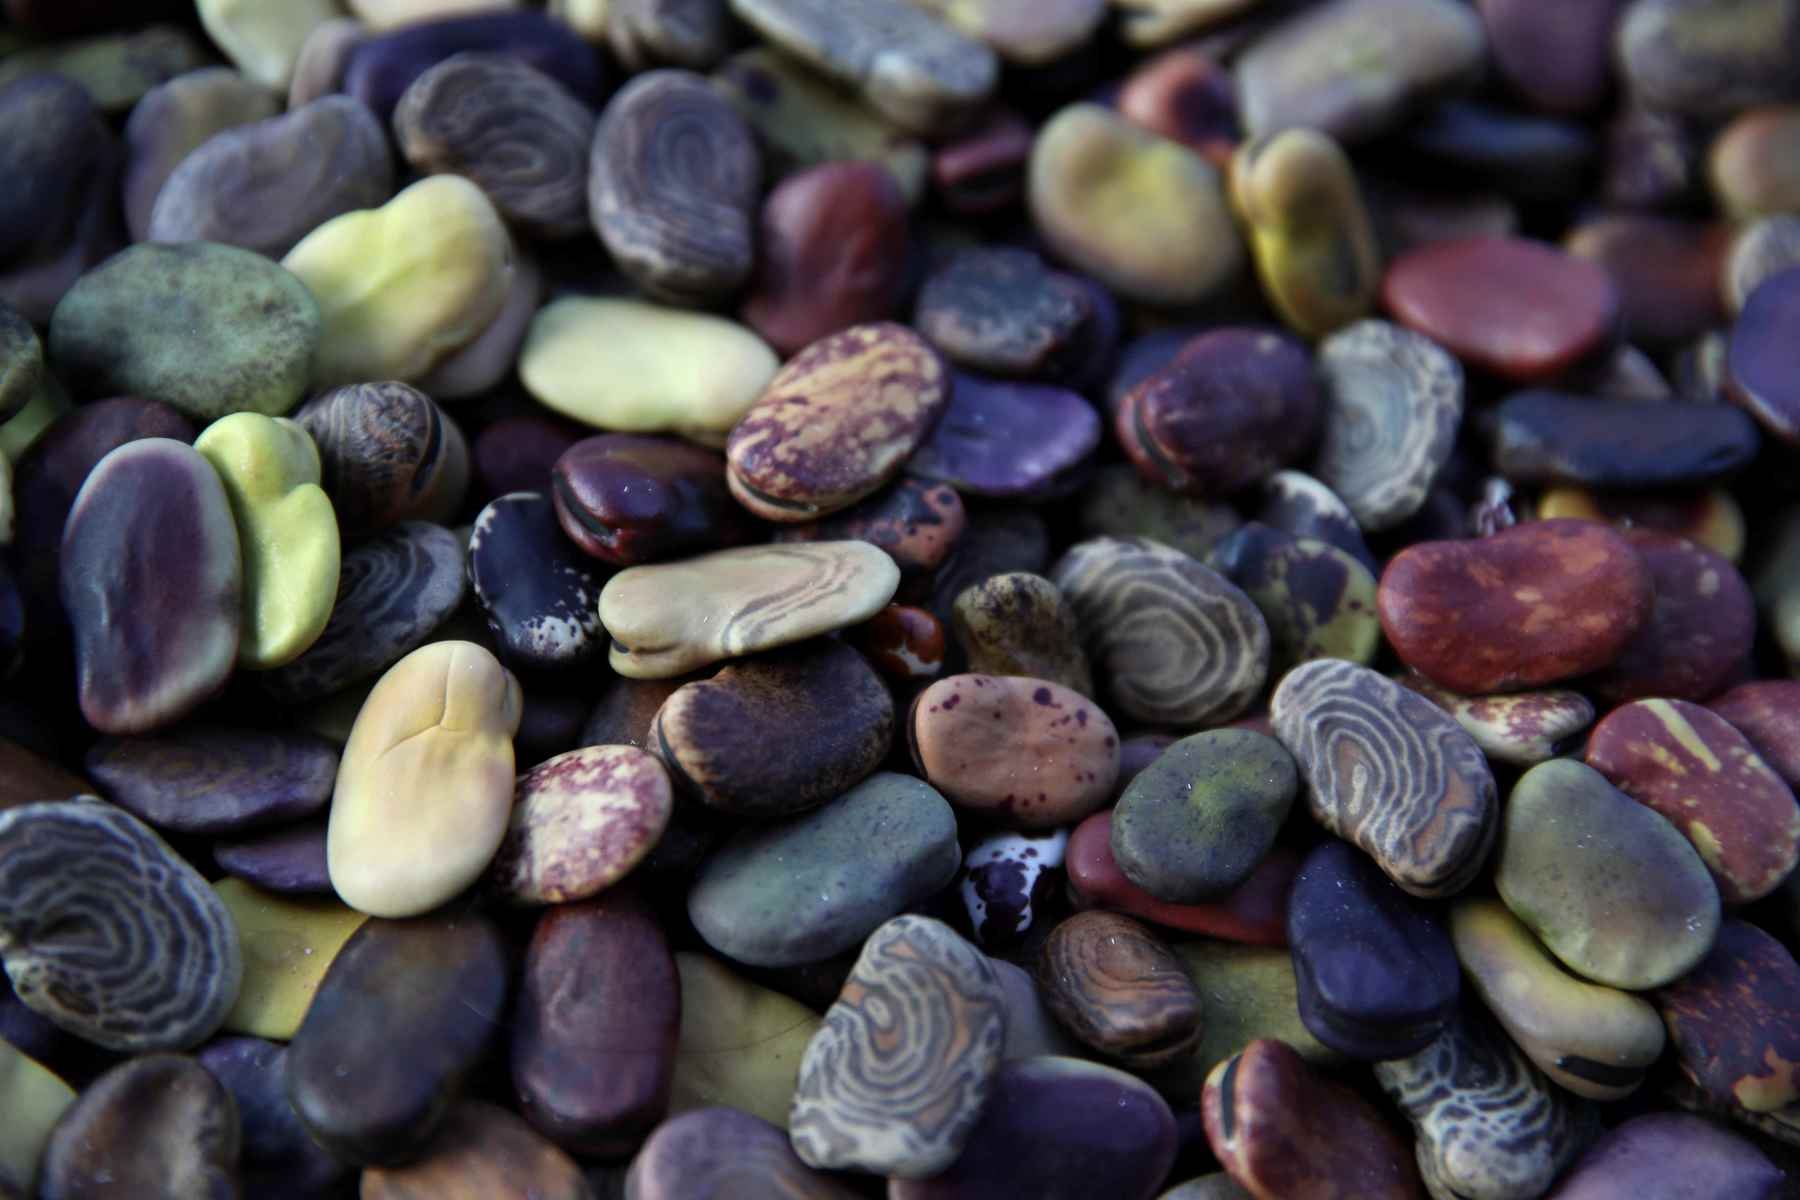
(1389, 771)
(1394, 401)
(670, 618)
(393, 590)
(511, 128)
(387, 453)
(895, 1080)
(1488, 1122)
(1117, 987)
(1180, 644)
(673, 185)
(106, 931)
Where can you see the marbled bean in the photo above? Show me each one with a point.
(1389, 772)
(1394, 400)
(394, 590)
(388, 454)
(1765, 712)
(668, 619)
(896, 1078)
(836, 422)
(1488, 1123)
(1318, 600)
(1690, 765)
(1519, 728)
(508, 126)
(1734, 1021)
(1178, 643)
(108, 932)
(672, 187)
(580, 822)
(1118, 988)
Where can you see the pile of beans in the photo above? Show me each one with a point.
(929, 599)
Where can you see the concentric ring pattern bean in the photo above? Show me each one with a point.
(108, 933)
(1179, 644)
(1058, 599)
